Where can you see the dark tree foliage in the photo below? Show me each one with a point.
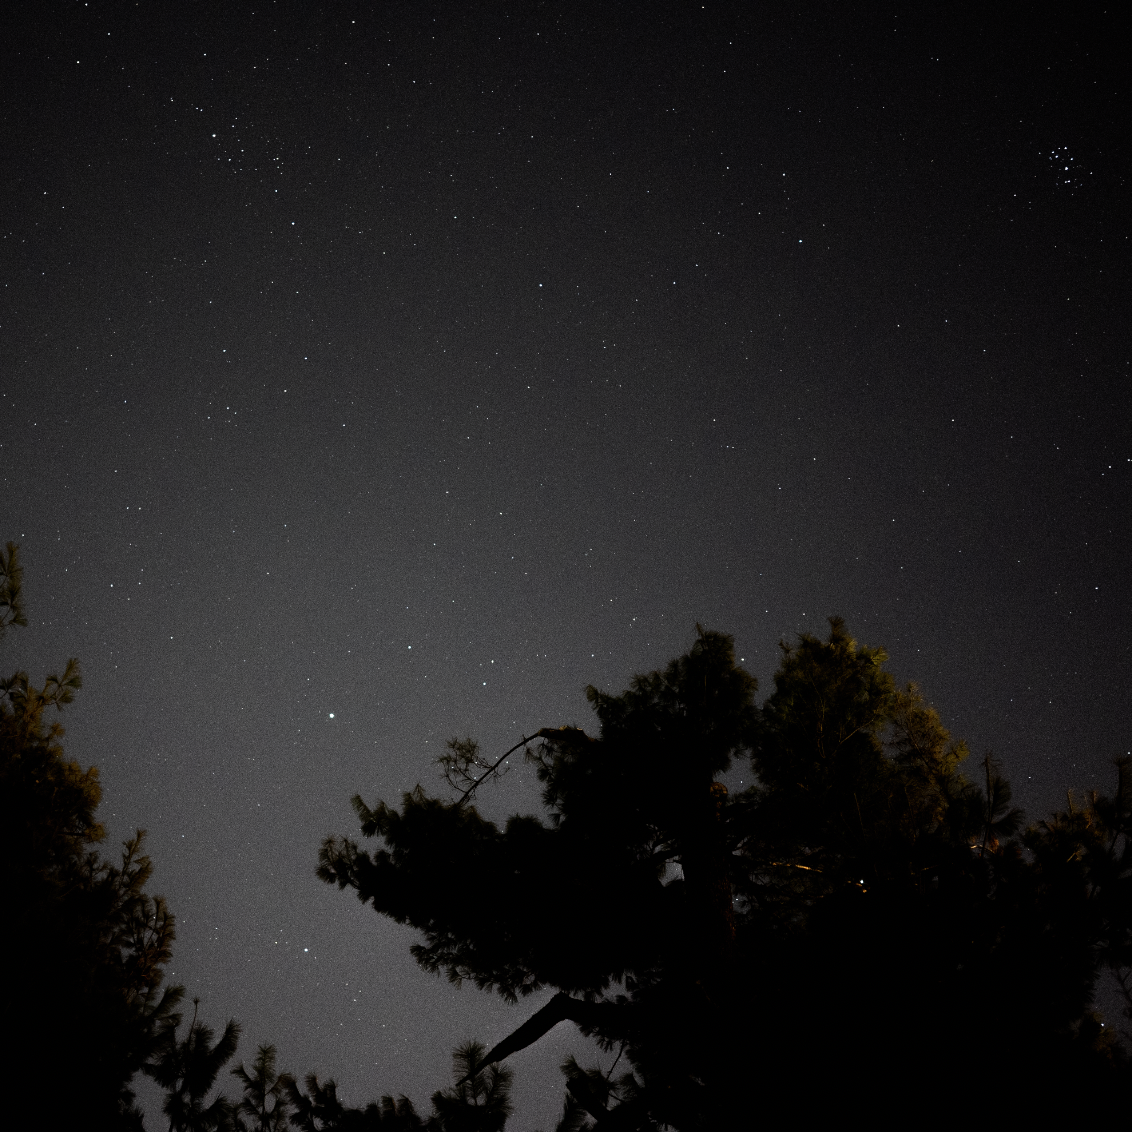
(84, 947)
(475, 1104)
(266, 1102)
(480, 1101)
(911, 922)
(188, 1069)
(845, 936)
(591, 1094)
(320, 1110)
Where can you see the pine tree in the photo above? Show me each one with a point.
(479, 1104)
(581, 903)
(187, 1070)
(84, 946)
(480, 1101)
(843, 930)
(11, 585)
(266, 1100)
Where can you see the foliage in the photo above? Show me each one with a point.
(266, 1099)
(482, 1105)
(462, 766)
(187, 1070)
(84, 945)
(592, 1094)
(320, 1110)
(862, 903)
(86, 948)
(11, 583)
(479, 1101)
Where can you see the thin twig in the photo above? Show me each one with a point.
(494, 766)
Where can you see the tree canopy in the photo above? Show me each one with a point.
(862, 906)
(85, 950)
(84, 945)
(847, 933)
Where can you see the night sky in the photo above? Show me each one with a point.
(374, 374)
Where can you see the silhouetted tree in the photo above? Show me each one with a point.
(861, 905)
(188, 1069)
(317, 1109)
(84, 947)
(480, 1101)
(480, 1106)
(266, 1100)
(894, 890)
(320, 1110)
(11, 584)
(592, 1095)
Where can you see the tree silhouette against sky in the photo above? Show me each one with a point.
(85, 947)
(861, 903)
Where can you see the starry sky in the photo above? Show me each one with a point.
(376, 373)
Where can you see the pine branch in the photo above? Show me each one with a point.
(560, 1008)
(495, 766)
(11, 582)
